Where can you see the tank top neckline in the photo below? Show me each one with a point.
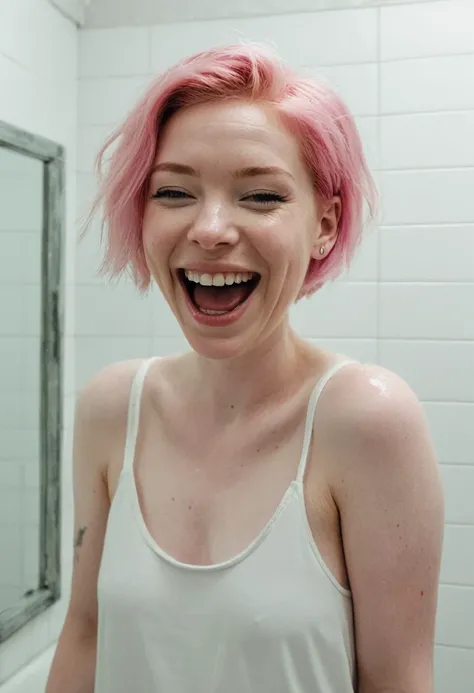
(296, 485)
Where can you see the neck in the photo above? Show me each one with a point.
(244, 383)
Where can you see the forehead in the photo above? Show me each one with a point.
(234, 129)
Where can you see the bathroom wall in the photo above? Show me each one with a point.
(407, 71)
(38, 90)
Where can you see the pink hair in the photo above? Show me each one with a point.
(314, 114)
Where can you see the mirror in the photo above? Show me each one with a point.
(31, 225)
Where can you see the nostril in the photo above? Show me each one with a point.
(208, 246)
(213, 236)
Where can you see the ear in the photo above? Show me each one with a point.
(328, 228)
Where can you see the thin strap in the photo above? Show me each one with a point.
(313, 401)
(133, 417)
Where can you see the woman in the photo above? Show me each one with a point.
(258, 514)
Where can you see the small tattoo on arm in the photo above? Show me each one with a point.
(79, 539)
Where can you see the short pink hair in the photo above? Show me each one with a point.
(313, 113)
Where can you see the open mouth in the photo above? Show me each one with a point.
(220, 293)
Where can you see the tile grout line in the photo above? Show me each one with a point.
(379, 185)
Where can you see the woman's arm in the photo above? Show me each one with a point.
(99, 436)
(387, 487)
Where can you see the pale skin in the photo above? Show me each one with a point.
(373, 493)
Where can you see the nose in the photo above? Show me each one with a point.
(213, 227)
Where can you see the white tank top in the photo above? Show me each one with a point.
(273, 619)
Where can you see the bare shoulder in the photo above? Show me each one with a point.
(372, 416)
(105, 396)
(102, 406)
(370, 401)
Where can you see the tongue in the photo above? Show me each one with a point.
(220, 298)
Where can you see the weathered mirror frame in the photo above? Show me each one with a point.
(49, 589)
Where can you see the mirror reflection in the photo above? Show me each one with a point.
(21, 226)
(31, 334)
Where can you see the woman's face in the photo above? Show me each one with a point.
(230, 225)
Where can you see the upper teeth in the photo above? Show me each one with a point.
(219, 279)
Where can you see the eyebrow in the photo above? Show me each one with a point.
(248, 172)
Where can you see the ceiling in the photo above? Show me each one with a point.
(111, 13)
(72, 9)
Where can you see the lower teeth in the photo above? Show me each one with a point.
(213, 312)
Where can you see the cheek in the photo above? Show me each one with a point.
(157, 241)
(285, 248)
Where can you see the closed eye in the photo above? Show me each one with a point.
(260, 198)
(265, 198)
(170, 193)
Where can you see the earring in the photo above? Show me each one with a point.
(322, 250)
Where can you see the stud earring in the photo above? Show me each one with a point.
(322, 250)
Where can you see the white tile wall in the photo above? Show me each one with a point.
(407, 71)
(115, 52)
(438, 371)
(94, 353)
(421, 30)
(40, 48)
(458, 557)
(427, 140)
(443, 253)
(97, 313)
(305, 39)
(431, 84)
(38, 86)
(428, 197)
(453, 663)
(452, 429)
(167, 346)
(357, 83)
(368, 131)
(105, 101)
(364, 266)
(455, 611)
(340, 309)
(163, 322)
(437, 311)
(458, 481)
(363, 350)
(90, 139)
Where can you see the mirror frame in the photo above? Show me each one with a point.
(51, 373)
